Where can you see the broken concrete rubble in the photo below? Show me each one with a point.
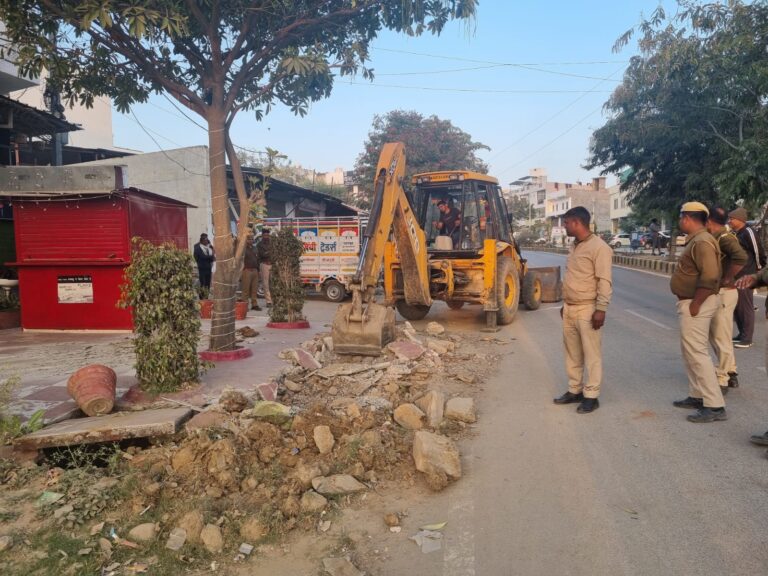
(409, 416)
(143, 532)
(432, 404)
(437, 457)
(461, 409)
(435, 329)
(336, 485)
(324, 439)
(306, 360)
(406, 350)
(311, 501)
(272, 412)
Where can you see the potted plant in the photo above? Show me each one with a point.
(285, 282)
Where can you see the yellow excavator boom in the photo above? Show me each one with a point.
(362, 326)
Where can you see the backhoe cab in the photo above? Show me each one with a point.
(451, 240)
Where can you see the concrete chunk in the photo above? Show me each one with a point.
(117, 426)
(432, 404)
(436, 455)
(336, 485)
(461, 409)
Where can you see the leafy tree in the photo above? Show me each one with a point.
(217, 58)
(430, 144)
(519, 209)
(690, 116)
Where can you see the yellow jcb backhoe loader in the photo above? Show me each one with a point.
(450, 241)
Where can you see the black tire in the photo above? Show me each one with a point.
(532, 291)
(507, 290)
(411, 311)
(455, 304)
(334, 291)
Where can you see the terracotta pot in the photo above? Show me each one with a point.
(241, 310)
(10, 319)
(206, 309)
(93, 388)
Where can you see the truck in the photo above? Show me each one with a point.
(449, 238)
(331, 251)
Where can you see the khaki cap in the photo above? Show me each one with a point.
(694, 207)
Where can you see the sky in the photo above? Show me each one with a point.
(527, 79)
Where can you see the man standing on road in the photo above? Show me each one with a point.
(587, 290)
(265, 263)
(695, 282)
(732, 260)
(745, 308)
(655, 237)
(751, 282)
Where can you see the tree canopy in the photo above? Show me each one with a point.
(217, 58)
(430, 144)
(690, 116)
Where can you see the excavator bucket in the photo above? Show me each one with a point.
(551, 284)
(366, 336)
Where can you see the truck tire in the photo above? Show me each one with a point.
(532, 291)
(334, 291)
(507, 290)
(455, 304)
(411, 311)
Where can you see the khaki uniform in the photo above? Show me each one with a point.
(698, 267)
(721, 329)
(587, 287)
(249, 280)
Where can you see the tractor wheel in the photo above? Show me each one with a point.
(507, 289)
(411, 311)
(455, 304)
(532, 291)
(335, 291)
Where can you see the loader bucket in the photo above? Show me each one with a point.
(551, 285)
(367, 337)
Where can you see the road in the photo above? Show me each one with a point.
(632, 489)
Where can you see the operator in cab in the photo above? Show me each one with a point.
(449, 222)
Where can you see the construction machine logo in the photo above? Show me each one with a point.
(414, 234)
(393, 165)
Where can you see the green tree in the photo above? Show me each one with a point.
(519, 209)
(430, 144)
(690, 116)
(217, 58)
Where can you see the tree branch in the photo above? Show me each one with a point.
(721, 137)
(245, 205)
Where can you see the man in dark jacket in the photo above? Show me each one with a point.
(205, 255)
(249, 280)
(745, 309)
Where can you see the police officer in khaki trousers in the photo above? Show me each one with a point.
(732, 260)
(696, 282)
(587, 290)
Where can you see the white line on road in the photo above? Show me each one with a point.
(659, 324)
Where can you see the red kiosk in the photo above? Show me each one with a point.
(72, 250)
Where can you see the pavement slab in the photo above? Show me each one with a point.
(118, 426)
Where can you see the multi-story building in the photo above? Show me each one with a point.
(620, 208)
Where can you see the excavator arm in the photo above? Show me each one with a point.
(364, 327)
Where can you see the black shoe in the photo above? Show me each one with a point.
(736, 338)
(743, 344)
(588, 405)
(760, 440)
(733, 380)
(569, 398)
(704, 415)
(724, 390)
(257, 308)
(690, 403)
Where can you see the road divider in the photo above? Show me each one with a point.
(628, 261)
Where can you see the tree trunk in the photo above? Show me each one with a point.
(225, 279)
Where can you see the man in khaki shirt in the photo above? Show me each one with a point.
(587, 292)
(696, 282)
(732, 260)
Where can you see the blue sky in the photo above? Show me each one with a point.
(540, 115)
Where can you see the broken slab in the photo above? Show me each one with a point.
(461, 409)
(406, 350)
(348, 369)
(306, 360)
(118, 426)
(336, 485)
(432, 404)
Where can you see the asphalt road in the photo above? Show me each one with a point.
(632, 489)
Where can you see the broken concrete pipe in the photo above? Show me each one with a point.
(93, 388)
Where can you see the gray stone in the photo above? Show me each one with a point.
(409, 416)
(245, 549)
(212, 539)
(176, 539)
(435, 329)
(436, 455)
(340, 567)
(461, 409)
(432, 404)
(117, 426)
(337, 484)
(324, 439)
(143, 532)
(311, 501)
(306, 360)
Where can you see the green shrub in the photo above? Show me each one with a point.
(160, 289)
(285, 283)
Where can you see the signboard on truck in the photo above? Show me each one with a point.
(331, 250)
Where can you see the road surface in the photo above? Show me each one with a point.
(632, 489)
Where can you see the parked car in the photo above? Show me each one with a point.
(620, 240)
(646, 241)
(540, 241)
